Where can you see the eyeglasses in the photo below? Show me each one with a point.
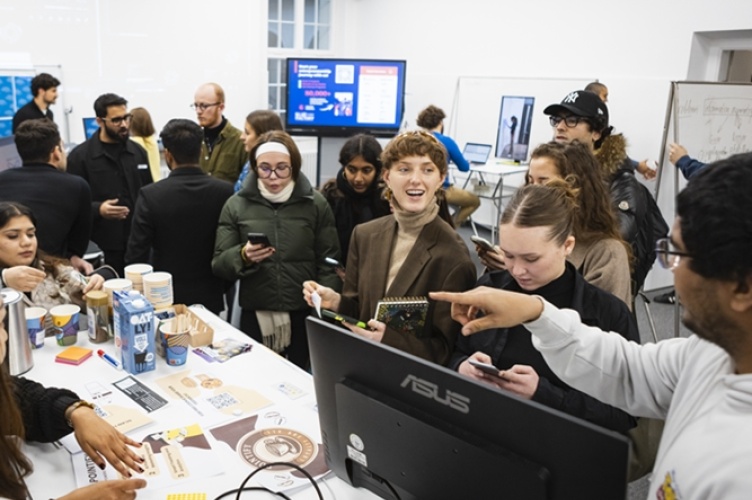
(668, 258)
(282, 171)
(200, 106)
(571, 121)
(119, 119)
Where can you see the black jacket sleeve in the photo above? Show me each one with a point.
(43, 409)
(578, 403)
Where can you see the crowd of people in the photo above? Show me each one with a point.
(575, 244)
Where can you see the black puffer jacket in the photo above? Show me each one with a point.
(640, 221)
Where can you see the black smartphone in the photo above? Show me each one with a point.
(256, 238)
(485, 367)
(483, 243)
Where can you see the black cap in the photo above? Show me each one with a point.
(581, 103)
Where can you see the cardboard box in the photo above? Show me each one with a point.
(133, 322)
(201, 333)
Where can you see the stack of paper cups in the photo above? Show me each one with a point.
(120, 284)
(158, 289)
(135, 273)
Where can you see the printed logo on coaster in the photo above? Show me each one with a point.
(277, 444)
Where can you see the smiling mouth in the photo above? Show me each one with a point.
(414, 193)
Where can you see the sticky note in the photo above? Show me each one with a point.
(73, 355)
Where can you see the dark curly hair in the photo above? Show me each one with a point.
(431, 117)
(714, 211)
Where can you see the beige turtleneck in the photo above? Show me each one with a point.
(409, 226)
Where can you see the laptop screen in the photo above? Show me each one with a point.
(476, 153)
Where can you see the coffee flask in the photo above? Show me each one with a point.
(18, 356)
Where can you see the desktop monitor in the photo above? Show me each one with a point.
(476, 153)
(515, 121)
(405, 428)
(342, 97)
(9, 157)
(90, 127)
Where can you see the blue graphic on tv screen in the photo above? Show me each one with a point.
(7, 97)
(6, 128)
(344, 94)
(23, 90)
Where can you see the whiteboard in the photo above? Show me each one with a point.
(712, 120)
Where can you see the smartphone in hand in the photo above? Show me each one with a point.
(341, 317)
(483, 243)
(256, 238)
(486, 368)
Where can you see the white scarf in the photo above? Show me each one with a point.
(280, 197)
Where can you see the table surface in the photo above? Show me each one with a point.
(260, 370)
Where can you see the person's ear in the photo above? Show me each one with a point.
(385, 175)
(569, 244)
(596, 136)
(741, 295)
(168, 158)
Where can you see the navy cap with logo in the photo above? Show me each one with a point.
(581, 103)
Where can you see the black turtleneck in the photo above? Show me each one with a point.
(211, 134)
(519, 349)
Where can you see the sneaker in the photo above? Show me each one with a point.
(666, 298)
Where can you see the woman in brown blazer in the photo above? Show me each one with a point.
(409, 253)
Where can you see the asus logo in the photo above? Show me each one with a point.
(431, 391)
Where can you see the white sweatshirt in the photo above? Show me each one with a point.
(706, 448)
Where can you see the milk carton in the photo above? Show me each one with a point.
(133, 322)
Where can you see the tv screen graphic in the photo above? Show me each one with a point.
(91, 127)
(341, 97)
(515, 122)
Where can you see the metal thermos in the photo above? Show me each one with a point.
(18, 353)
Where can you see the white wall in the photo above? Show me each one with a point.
(153, 53)
(635, 47)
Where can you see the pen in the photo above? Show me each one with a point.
(109, 359)
(359, 324)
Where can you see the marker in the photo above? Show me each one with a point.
(109, 359)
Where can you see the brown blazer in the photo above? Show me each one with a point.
(439, 260)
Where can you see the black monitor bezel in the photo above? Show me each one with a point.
(574, 451)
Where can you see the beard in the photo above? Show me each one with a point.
(710, 324)
(116, 135)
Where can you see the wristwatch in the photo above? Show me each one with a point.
(69, 411)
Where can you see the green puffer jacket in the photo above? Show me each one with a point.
(301, 229)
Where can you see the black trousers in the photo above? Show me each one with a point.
(297, 351)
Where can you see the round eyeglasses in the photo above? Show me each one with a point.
(282, 171)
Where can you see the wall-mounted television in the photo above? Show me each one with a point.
(515, 121)
(341, 97)
(408, 429)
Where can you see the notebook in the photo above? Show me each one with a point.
(475, 153)
(408, 315)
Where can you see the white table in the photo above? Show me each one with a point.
(488, 183)
(261, 368)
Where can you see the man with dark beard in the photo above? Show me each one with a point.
(116, 169)
(701, 385)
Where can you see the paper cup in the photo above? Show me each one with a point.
(120, 284)
(35, 318)
(65, 323)
(136, 273)
(175, 344)
(158, 289)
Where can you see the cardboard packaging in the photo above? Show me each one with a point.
(133, 322)
(200, 333)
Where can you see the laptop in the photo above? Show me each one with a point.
(476, 154)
